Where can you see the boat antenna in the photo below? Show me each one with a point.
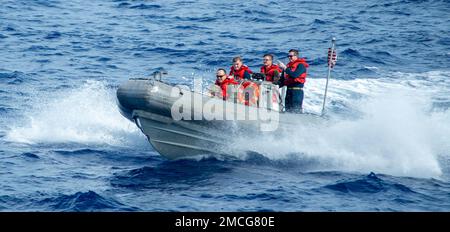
(332, 57)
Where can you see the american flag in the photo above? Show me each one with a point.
(332, 57)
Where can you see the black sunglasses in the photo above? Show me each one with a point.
(290, 56)
(218, 76)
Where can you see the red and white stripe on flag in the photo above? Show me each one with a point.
(332, 58)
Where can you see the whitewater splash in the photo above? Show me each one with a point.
(395, 130)
(87, 114)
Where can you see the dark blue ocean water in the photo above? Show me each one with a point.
(65, 147)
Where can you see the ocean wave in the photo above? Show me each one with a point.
(86, 151)
(366, 72)
(14, 78)
(84, 201)
(370, 184)
(145, 6)
(179, 174)
(30, 155)
(53, 35)
(318, 22)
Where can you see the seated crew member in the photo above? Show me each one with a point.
(239, 70)
(270, 70)
(223, 81)
(294, 78)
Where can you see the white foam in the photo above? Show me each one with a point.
(87, 114)
(397, 132)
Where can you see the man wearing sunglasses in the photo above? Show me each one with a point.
(294, 79)
(223, 81)
(270, 70)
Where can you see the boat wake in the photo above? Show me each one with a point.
(393, 136)
(395, 128)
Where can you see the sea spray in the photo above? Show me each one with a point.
(87, 114)
(394, 128)
(395, 135)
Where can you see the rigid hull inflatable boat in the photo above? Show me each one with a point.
(151, 104)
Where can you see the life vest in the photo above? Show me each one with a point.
(269, 72)
(293, 66)
(224, 85)
(248, 93)
(239, 74)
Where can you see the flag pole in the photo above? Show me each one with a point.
(330, 64)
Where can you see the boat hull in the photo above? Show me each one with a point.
(150, 104)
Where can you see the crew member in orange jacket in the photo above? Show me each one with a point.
(294, 79)
(223, 81)
(239, 70)
(270, 70)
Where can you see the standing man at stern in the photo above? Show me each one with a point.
(294, 78)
